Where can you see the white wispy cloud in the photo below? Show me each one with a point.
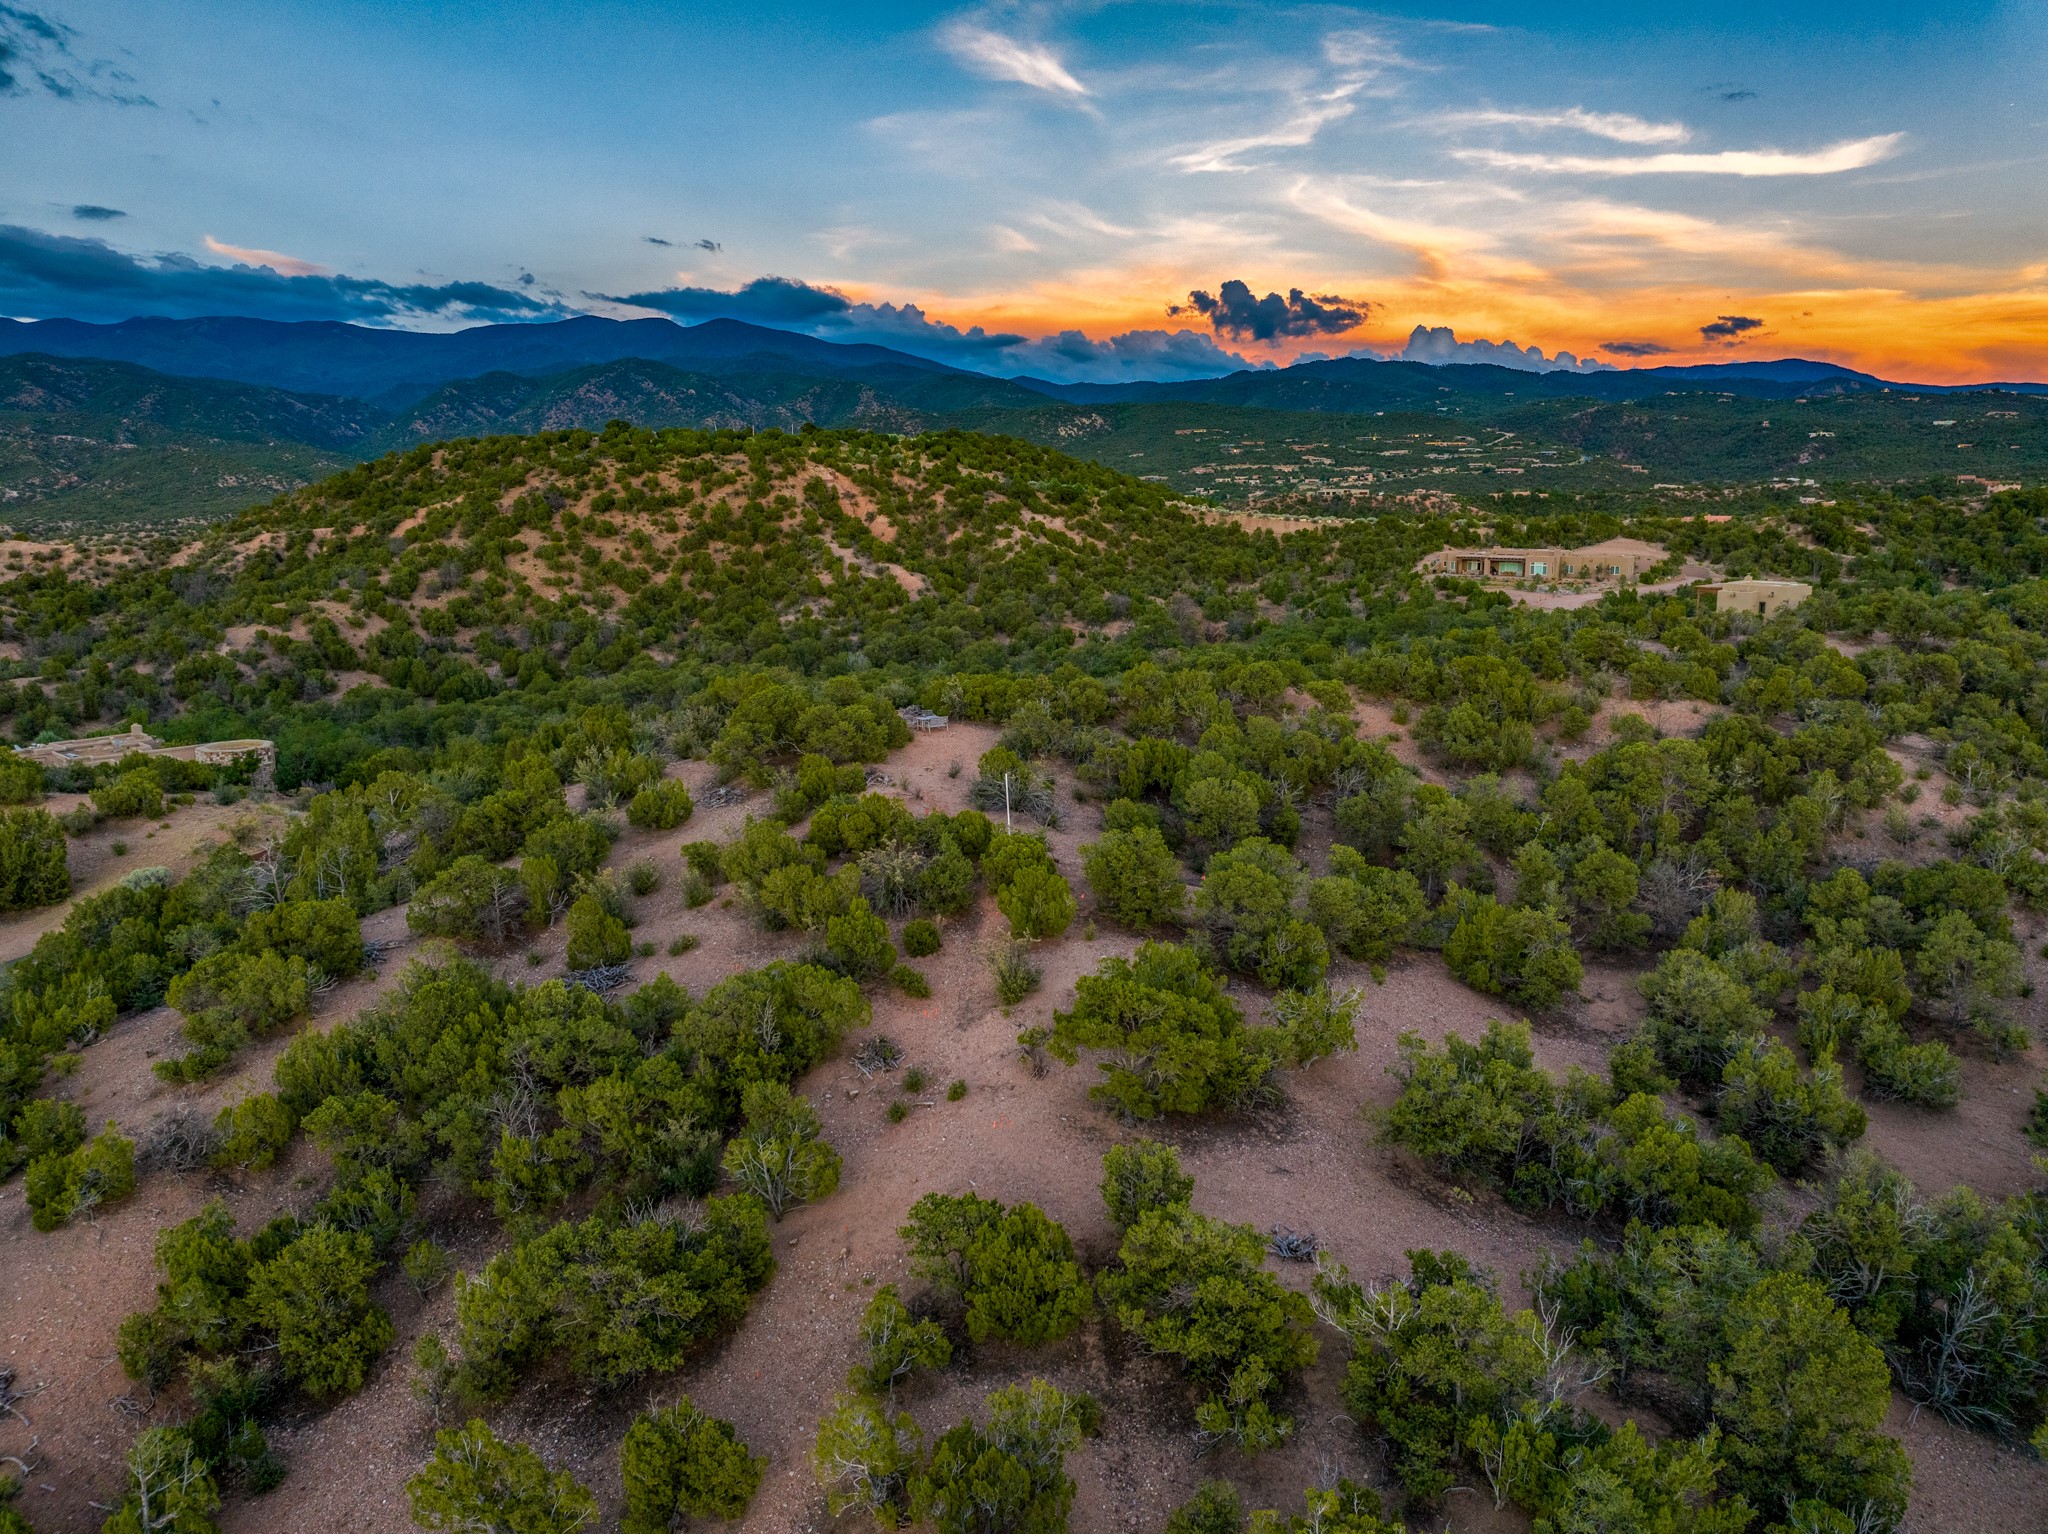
(276, 260)
(1310, 117)
(1850, 154)
(1353, 61)
(1621, 127)
(1007, 58)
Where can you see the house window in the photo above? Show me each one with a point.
(1539, 567)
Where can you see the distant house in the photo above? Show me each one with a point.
(95, 750)
(1615, 559)
(1764, 598)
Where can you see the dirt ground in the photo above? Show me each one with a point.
(1309, 1165)
(176, 840)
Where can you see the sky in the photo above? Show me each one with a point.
(1101, 191)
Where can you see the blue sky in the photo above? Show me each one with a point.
(1867, 183)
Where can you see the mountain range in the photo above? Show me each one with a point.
(154, 419)
(396, 368)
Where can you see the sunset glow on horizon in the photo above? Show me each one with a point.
(1060, 189)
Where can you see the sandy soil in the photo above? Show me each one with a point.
(177, 841)
(1309, 1165)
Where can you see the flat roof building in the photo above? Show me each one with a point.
(96, 750)
(1764, 598)
(1613, 559)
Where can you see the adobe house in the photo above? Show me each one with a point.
(94, 750)
(1766, 599)
(1613, 559)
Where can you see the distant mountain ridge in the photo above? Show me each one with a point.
(394, 368)
(398, 368)
(86, 441)
(1355, 384)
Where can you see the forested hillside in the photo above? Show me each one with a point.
(94, 444)
(1296, 1045)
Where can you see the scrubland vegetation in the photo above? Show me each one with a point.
(1293, 767)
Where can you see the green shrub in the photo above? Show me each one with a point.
(1010, 1477)
(1484, 1110)
(1012, 1269)
(171, 1488)
(1215, 1508)
(1436, 1364)
(477, 1481)
(1135, 877)
(1700, 1014)
(21, 780)
(955, 1090)
(703, 860)
(1347, 1508)
(1140, 1177)
(920, 938)
(864, 1457)
(1244, 913)
(1522, 954)
(325, 933)
(780, 1155)
(661, 806)
(618, 1300)
(1038, 903)
(229, 998)
(1801, 1398)
(1365, 912)
(1016, 976)
(471, 898)
(858, 942)
(425, 1266)
(596, 937)
(910, 981)
(896, 1344)
(130, 795)
(679, 1463)
(1195, 1289)
(63, 1188)
(33, 870)
(643, 878)
(253, 1132)
(1176, 1042)
(1790, 1119)
(44, 1126)
(314, 1296)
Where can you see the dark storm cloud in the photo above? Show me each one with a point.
(711, 246)
(43, 275)
(1729, 328)
(655, 239)
(766, 300)
(1634, 348)
(93, 213)
(1233, 311)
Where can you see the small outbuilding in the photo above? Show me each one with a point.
(1766, 599)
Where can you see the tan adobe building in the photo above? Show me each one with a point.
(1614, 559)
(94, 750)
(1764, 598)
